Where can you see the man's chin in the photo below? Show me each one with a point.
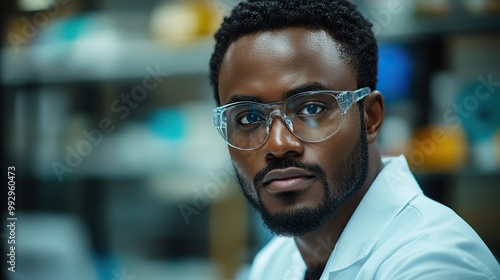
(294, 220)
(291, 209)
(281, 203)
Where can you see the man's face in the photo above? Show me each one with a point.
(297, 186)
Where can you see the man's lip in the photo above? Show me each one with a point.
(286, 174)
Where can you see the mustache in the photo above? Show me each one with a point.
(286, 163)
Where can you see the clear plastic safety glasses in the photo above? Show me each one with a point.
(311, 116)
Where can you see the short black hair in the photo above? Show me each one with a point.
(340, 18)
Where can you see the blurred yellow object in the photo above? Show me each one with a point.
(433, 8)
(437, 149)
(181, 22)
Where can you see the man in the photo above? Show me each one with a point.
(300, 113)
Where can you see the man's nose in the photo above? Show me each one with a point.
(281, 142)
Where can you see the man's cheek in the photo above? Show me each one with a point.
(247, 187)
(242, 173)
(243, 156)
(245, 163)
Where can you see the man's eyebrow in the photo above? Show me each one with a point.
(238, 98)
(297, 90)
(306, 87)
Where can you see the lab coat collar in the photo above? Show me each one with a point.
(391, 190)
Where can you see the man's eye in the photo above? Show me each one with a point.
(250, 118)
(311, 109)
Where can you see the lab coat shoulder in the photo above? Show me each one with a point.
(435, 243)
(435, 263)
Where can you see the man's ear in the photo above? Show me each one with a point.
(374, 115)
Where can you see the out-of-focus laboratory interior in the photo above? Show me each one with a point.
(120, 174)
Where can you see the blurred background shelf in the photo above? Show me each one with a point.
(80, 61)
(428, 28)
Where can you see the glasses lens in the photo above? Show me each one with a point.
(246, 125)
(315, 117)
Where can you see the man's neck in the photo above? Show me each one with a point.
(317, 246)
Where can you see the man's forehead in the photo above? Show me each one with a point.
(281, 60)
(286, 40)
(293, 45)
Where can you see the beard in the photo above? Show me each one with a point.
(349, 178)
